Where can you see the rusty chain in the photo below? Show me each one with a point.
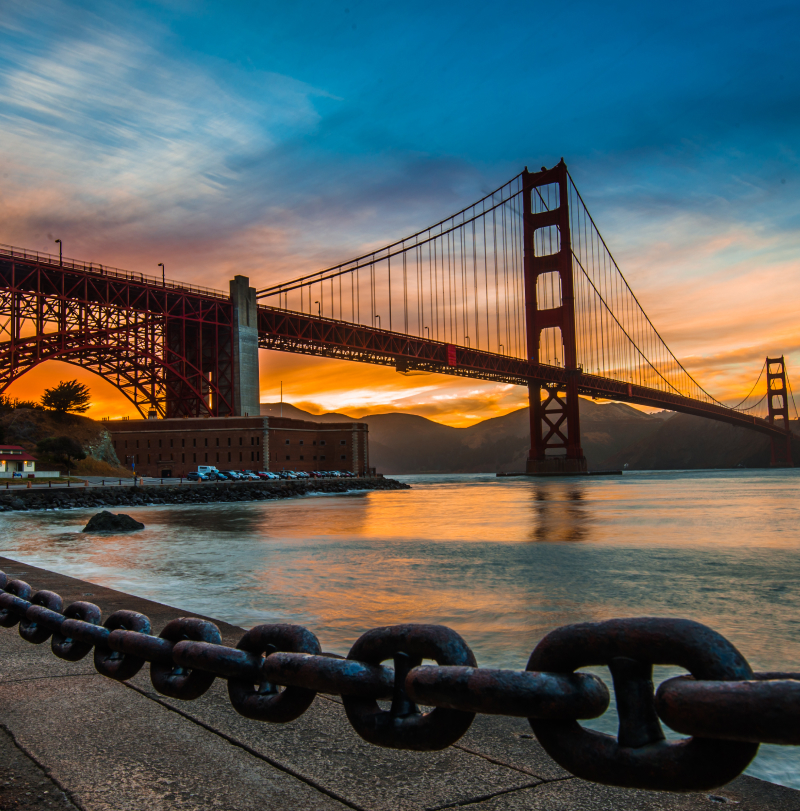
(275, 672)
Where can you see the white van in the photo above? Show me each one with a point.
(204, 470)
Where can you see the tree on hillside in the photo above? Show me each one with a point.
(63, 449)
(68, 395)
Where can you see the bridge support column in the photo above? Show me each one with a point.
(555, 420)
(778, 409)
(245, 348)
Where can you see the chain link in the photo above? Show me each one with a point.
(276, 671)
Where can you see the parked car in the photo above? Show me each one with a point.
(268, 474)
(253, 477)
(196, 477)
(206, 469)
(232, 474)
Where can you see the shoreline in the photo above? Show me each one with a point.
(61, 498)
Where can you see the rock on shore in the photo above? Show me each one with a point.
(108, 522)
(205, 493)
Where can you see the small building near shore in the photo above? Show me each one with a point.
(16, 462)
(176, 446)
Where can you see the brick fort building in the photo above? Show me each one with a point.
(174, 447)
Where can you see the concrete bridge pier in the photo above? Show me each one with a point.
(246, 389)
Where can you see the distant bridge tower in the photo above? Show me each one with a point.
(778, 405)
(555, 422)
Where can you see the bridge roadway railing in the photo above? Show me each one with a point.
(94, 268)
(726, 707)
(290, 331)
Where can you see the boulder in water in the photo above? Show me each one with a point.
(108, 522)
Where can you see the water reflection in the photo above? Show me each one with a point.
(560, 514)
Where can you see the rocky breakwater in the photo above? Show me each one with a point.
(201, 493)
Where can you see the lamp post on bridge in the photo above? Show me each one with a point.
(319, 309)
(163, 274)
(60, 254)
(429, 332)
(466, 338)
(378, 319)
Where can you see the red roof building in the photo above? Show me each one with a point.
(15, 459)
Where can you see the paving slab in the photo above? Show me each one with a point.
(743, 794)
(323, 746)
(113, 749)
(24, 784)
(100, 745)
(510, 741)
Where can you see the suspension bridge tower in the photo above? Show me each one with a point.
(778, 410)
(555, 421)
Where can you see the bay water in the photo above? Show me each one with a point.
(501, 560)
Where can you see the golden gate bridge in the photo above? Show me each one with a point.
(519, 287)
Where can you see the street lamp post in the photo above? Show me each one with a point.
(319, 309)
(60, 254)
(429, 332)
(133, 467)
(378, 319)
(163, 274)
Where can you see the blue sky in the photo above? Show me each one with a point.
(274, 138)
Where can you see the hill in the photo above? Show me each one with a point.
(613, 435)
(27, 426)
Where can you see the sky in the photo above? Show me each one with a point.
(272, 139)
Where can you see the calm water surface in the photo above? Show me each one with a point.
(502, 561)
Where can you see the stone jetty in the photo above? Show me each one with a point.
(187, 493)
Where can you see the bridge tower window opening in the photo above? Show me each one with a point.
(551, 347)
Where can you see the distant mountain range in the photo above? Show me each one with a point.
(613, 435)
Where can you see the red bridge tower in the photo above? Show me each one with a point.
(555, 422)
(778, 405)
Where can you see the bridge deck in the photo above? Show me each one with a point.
(289, 331)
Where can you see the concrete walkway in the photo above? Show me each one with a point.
(70, 738)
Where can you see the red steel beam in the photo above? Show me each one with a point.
(289, 331)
